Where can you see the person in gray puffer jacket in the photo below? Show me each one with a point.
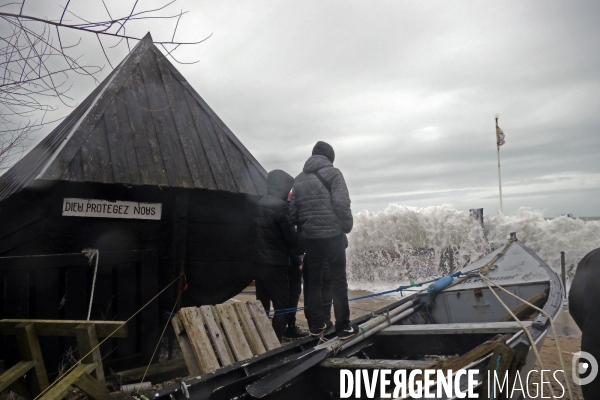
(320, 207)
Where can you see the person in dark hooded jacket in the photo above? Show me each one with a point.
(320, 207)
(584, 306)
(274, 238)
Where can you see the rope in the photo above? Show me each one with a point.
(531, 341)
(90, 254)
(399, 289)
(558, 349)
(108, 337)
(171, 314)
(427, 308)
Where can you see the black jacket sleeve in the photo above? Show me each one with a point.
(341, 201)
(284, 221)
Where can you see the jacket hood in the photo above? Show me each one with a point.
(324, 149)
(279, 184)
(315, 163)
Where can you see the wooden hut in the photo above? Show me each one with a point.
(145, 172)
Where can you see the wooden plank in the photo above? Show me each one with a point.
(126, 139)
(86, 341)
(95, 389)
(94, 112)
(76, 296)
(160, 372)
(207, 109)
(518, 362)
(212, 148)
(16, 372)
(170, 147)
(135, 106)
(61, 389)
(29, 347)
(16, 305)
(47, 304)
(186, 131)
(75, 170)
(237, 165)
(263, 325)
(499, 364)
(260, 180)
(45, 261)
(64, 328)
(217, 336)
(194, 326)
(357, 363)
(186, 347)
(478, 352)
(21, 238)
(523, 309)
(116, 149)
(233, 331)
(217, 317)
(149, 317)
(17, 221)
(126, 301)
(146, 127)
(464, 328)
(95, 155)
(250, 330)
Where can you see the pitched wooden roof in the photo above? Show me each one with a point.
(143, 125)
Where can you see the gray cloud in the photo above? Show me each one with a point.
(406, 93)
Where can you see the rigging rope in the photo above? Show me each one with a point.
(558, 349)
(465, 275)
(531, 341)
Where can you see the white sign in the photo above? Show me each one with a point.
(110, 209)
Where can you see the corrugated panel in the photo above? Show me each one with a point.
(143, 125)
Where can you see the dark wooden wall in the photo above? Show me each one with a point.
(59, 287)
(208, 229)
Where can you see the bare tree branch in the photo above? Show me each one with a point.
(36, 63)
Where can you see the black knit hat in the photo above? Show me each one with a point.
(324, 149)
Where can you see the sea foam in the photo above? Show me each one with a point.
(402, 243)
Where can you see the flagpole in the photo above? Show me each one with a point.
(499, 142)
(499, 180)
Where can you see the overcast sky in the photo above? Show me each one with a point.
(406, 93)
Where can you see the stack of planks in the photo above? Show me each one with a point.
(212, 337)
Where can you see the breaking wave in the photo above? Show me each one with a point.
(401, 243)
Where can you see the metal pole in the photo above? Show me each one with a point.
(563, 270)
(499, 180)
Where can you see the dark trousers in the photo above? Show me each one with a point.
(334, 251)
(272, 286)
(295, 289)
(326, 294)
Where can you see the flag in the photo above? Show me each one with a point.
(499, 135)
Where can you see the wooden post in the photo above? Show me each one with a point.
(498, 366)
(29, 347)
(86, 341)
(563, 271)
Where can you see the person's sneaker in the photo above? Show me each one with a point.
(294, 332)
(329, 324)
(318, 331)
(347, 332)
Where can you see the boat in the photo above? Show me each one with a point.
(460, 325)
